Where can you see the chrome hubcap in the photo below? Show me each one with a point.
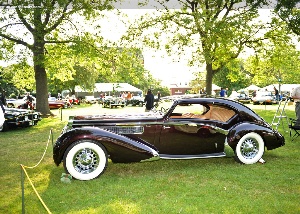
(249, 148)
(86, 161)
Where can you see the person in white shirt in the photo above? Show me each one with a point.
(296, 96)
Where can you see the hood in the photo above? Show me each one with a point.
(123, 116)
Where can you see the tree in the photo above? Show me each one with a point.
(288, 12)
(233, 76)
(277, 60)
(214, 31)
(35, 24)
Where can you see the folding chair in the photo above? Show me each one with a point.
(294, 127)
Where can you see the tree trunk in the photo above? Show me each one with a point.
(42, 104)
(209, 78)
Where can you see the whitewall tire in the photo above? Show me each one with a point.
(249, 149)
(85, 160)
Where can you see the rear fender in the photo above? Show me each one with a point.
(119, 147)
(268, 135)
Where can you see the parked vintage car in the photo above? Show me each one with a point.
(55, 103)
(19, 118)
(19, 103)
(264, 97)
(111, 101)
(136, 101)
(90, 99)
(240, 97)
(200, 129)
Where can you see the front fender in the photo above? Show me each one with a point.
(120, 148)
(271, 138)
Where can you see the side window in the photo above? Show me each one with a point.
(211, 112)
(189, 111)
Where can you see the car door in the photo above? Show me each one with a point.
(186, 133)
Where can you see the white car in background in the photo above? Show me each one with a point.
(264, 97)
(15, 103)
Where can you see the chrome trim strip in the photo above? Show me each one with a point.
(186, 157)
(154, 158)
(171, 123)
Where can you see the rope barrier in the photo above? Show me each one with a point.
(34, 189)
(31, 167)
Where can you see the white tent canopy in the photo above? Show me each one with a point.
(283, 87)
(252, 88)
(106, 87)
(215, 87)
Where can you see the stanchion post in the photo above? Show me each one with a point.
(60, 114)
(22, 186)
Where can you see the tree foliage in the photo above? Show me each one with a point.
(33, 24)
(277, 60)
(215, 32)
(288, 12)
(233, 76)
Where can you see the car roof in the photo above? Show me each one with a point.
(232, 104)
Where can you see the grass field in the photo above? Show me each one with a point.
(218, 185)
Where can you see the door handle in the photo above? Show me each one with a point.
(167, 127)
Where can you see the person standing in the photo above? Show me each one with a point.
(2, 111)
(276, 94)
(222, 92)
(3, 98)
(149, 99)
(296, 96)
(158, 96)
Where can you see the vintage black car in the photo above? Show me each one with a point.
(111, 101)
(190, 128)
(136, 101)
(19, 118)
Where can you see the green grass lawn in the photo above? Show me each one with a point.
(218, 185)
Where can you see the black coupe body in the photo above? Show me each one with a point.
(190, 128)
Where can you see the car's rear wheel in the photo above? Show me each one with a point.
(85, 160)
(249, 149)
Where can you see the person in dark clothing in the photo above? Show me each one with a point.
(222, 92)
(149, 99)
(2, 107)
(158, 95)
(276, 94)
(3, 98)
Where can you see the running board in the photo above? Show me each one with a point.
(212, 155)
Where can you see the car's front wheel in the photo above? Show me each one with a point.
(4, 127)
(85, 160)
(249, 149)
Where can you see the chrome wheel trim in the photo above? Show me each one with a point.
(86, 161)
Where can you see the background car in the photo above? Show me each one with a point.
(240, 97)
(19, 103)
(136, 101)
(55, 103)
(112, 101)
(19, 118)
(189, 128)
(264, 97)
